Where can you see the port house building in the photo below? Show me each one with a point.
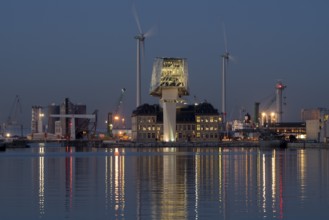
(194, 123)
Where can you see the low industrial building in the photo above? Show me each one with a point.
(317, 127)
(290, 129)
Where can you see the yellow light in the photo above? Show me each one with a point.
(302, 136)
(7, 135)
(116, 117)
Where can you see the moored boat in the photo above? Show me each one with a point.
(272, 143)
(272, 140)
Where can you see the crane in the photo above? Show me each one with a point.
(116, 119)
(13, 123)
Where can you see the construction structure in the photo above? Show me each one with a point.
(66, 121)
(72, 133)
(169, 82)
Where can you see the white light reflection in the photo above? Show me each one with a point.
(264, 184)
(196, 191)
(273, 180)
(115, 182)
(41, 194)
(302, 171)
(174, 182)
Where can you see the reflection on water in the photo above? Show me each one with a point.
(51, 182)
(41, 180)
(115, 183)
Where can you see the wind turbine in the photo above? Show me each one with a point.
(140, 37)
(225, 58)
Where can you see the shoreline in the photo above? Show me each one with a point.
(110, 144)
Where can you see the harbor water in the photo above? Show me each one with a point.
(49, 181)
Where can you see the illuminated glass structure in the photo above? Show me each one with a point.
(170, 83)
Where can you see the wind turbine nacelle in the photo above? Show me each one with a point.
(169, 73)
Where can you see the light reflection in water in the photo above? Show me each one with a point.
(264, 184)
(69, 176)
(41, 179)
(302, 173)
(273, 160)
(196, 180)
(177, 183)
(115, 182)
(174, 188)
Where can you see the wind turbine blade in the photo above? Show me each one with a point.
(225, 39)
(137, 19)
(230, 57)
(151, 32)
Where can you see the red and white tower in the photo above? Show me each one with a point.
(279, 89)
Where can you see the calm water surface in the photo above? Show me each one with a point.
(49, 181)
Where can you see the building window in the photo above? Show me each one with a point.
(197, 118)
(198, 127)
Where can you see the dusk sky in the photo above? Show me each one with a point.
(85, 50)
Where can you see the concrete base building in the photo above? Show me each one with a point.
(194, 123)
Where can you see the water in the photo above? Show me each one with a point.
(53, 182)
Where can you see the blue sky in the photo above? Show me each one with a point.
(85, 50)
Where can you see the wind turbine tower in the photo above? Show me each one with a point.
(279, 89)
(140, 37)
(169, 83)
(140, 42)
(225, 58)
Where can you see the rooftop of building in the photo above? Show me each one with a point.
(184, 114)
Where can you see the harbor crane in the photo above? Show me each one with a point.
(115, 119)
(13, 123)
